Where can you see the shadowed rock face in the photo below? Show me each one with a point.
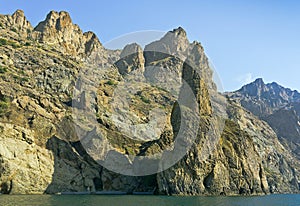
(42, 146)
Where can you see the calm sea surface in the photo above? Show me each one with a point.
(131, 200)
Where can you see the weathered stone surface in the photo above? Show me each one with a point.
(58, 28)
(174, 43)
(131, 59)
(24, 166)
(16, 23)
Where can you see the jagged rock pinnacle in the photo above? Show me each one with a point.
(58, 28)
(259, 81)
(175, 42)
(56, 21)
(179, 32)
(131, 59)
(18, 13)
(17, 21)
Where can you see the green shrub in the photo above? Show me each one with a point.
(20, 78)
(110, 82)
(4, 107)
(3, 42)
(14, 45)
(3, 70)
(24, 79)
(27, 44)
(7, 42)
(14, 30)
(145, 99)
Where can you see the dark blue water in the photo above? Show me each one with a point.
(130, 200)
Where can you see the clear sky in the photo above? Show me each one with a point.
(243, 39)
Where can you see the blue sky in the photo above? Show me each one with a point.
(243, 39)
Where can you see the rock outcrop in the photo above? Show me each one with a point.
(16, 23)
(174, 43)
(58, 28)
(54, 99)
(131, 59)
(22, 161)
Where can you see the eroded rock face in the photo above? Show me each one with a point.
(173, 43)
(131, 59)
(276, 105)
(42, 150)
(248, 159)
(164, 60)
(199, 61)
(278, 162)
(25, 168)
(17, 23)
(18, 19)
(223, 160)
(58, 28)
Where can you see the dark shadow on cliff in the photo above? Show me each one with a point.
(6, 187)
(76, 171)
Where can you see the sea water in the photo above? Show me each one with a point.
(132, 200)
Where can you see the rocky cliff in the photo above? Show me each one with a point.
(68, 107)
(276, 105)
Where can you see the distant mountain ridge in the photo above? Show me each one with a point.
(262, 99)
